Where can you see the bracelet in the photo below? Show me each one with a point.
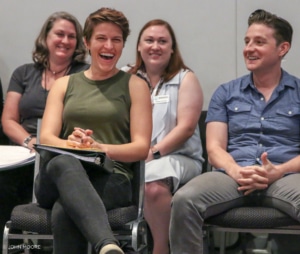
(27, 140)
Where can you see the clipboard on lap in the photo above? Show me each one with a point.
(89, 155)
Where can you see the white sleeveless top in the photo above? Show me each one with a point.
(164, 118)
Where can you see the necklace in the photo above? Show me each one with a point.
(65, 70)
(58, 72)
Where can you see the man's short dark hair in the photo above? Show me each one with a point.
(283, 31)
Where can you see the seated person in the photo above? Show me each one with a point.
(253, 137)
(175, 155)
(59, 50)
(102, 108)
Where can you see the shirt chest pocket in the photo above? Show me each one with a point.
(288, 119)
(238, 116)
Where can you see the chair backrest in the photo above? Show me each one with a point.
(3, 138)
(202, 128)
(138, 186)
(37, 158)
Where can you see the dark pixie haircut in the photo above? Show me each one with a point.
(104, 15)
(40, 53)
(283, 31)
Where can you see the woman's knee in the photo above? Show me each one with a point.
(155, 190)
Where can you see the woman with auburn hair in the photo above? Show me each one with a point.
(175, 154)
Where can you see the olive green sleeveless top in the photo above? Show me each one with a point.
(102, 106)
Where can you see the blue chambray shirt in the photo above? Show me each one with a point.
(256, 126)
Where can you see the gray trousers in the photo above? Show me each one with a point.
(212, 193)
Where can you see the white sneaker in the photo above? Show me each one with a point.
(111, 249)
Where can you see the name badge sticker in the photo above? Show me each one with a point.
(161, 99)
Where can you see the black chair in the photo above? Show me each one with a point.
(251, 220)
(202, 128)
(31, 222)
(3, 138)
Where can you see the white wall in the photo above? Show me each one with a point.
(210, 32)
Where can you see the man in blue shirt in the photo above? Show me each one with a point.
(253, 139)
